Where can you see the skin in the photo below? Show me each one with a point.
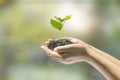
(83, 52)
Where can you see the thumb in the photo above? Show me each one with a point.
(62, 48)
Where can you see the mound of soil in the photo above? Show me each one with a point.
(58, 42)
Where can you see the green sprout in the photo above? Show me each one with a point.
(58, 23)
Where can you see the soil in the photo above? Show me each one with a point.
(59, 42)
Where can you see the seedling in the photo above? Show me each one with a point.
(58, 23)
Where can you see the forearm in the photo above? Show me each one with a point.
(106, 64)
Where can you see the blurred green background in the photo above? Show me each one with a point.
(24, 27)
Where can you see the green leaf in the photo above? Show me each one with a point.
(68, 17)
(59, 19)
(56, 24)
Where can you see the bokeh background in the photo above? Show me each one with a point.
(24, 27)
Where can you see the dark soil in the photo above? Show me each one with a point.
(58, 42)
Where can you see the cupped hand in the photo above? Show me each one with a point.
(69, 53)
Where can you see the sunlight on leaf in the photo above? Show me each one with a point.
(56, 24)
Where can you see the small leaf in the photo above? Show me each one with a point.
(56, 24)
(59, 19)
(68, 17)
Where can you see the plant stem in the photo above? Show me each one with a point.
(62, 33)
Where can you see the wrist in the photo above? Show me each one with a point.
(83, 53)
(87, 56)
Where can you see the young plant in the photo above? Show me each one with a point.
(58, 23)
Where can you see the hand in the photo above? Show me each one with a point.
(69, 53)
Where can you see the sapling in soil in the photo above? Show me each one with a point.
(58, 23)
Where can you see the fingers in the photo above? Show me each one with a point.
(51, 53)
(48, 51)
(44, 48)
(48, 41)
